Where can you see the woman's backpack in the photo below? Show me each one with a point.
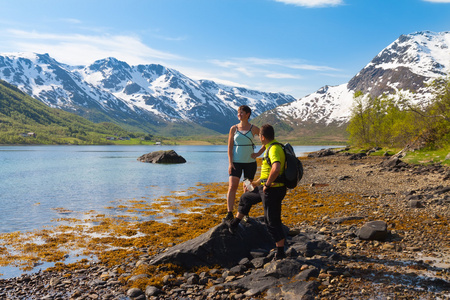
(293, 171)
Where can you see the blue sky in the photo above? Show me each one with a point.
(290, 46)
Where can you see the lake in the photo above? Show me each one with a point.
(35, 181)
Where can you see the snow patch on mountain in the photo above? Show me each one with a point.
(425, 53)
(142, 93)
(403, 69)
(320, 107)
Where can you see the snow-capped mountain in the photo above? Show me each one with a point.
(154, 97)
(402, 68)
(145, 96)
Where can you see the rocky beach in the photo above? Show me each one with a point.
(359, 227)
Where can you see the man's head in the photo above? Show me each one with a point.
(267, 134)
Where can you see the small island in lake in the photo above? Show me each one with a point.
(162, 157)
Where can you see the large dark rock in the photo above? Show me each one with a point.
(392, 162)
(374, 230)
(218, 246)
(248, 257)
(322, 153)
(357, 156)
(299, 290)
(280, 279)
(340, 220)
(162, 157)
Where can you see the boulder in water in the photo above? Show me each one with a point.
(162, 157)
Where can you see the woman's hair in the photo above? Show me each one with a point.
(246, 109)
(268, 132)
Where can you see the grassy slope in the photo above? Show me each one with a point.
(426, 156)
(20, 113)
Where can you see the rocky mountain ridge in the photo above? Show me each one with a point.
(404, 68)
(144, 96)
(153, 97)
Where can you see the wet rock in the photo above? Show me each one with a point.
(246, 262)
(291, 252)
(259, 262)
(152, 291)
(322, 153)
(357, 156)
(255, 253)
(300, 290)
(237, 270)
(307, 274)
(446, 176)
(374, 230)
(343, 219)
(136, 277)
(97, 282)
(415, 204)
(218, 246)
(134, 292)
(162, 157)
(442, 190)
(275, 279)
(283, 268)
(309, 245)
(256, 282)
(414, 197)
(193, 279)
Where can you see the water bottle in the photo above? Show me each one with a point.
(248, 185)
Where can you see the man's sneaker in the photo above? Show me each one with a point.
(228, 218)
(279, 256)
(245, 219)
(233, 225)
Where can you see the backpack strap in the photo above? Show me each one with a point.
(266, 157)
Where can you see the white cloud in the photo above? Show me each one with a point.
(282, 76)
(438, 1)
(84, 49)
(312, 67)
(254, 62)
(265, 74)
(314, 3)
(270, 74)
(71, 21)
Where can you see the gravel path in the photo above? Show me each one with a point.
(414, 262)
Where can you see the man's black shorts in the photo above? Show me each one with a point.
(249, 170)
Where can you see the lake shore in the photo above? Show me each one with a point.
(338, 194)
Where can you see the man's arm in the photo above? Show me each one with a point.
(261, 151)
(274, 172)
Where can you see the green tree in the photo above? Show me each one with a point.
(385, 121)
(359, 123)
(439, 111)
